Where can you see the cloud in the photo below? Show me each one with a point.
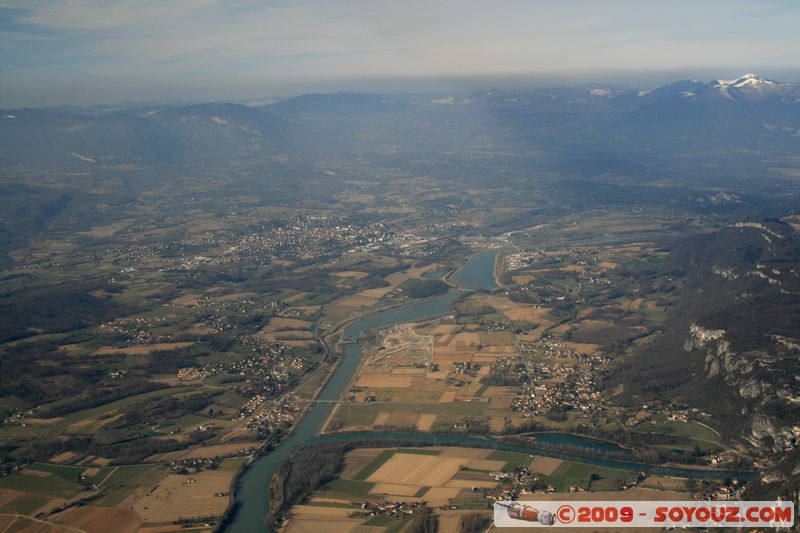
(318, 39)
(88, 15)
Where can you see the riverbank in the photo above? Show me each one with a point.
(472, 441)
(251, 491)
(480, 271)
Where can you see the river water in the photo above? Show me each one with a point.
(253, 486)
(476, 274)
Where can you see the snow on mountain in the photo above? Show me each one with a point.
(751, 84)
(752, 80)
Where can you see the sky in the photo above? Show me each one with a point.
(104, 51)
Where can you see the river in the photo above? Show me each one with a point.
(476, 274)
(253, 485)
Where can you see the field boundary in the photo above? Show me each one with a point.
(50, 524)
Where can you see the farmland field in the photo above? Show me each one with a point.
(452, 481)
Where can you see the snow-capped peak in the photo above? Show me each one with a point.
(752, 80)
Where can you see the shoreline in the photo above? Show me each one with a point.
(325, 340)
(564, 452)
(350, 383)
(334, 341)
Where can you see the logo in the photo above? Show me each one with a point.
(657, 514)
(566, 514)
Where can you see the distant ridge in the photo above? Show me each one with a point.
(750, 113)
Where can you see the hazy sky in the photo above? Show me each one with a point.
(85, 51)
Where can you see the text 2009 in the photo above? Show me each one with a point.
(605, 514)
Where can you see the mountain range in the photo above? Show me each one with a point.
(727, 346)
(745, 114)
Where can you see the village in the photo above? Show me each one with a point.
(560, 379)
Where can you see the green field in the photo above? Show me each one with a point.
(126, 474)
(55, 431)
(380, 520)
(392, 525)
(309, 387)
(11, 402)
(24, 504)
(232, 463)
(693, 430)
(513, 460)
(127, 402)
(314, 299)
(483, 388)
(569, 473)
(350, 487)
(70, 473)
(470, 503)
(13, 434)
(125, 479)
(364, 414)
(45, 485)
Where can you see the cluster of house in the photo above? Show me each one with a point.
(789, 437)
(424, 247)
(136, 330)
(557, 384)
(494, 326)
(522, 481)
(281, 414)
(271, 360)
(730, 490)
(192, 466)
(250, 406)
(266, 373)
(16, 417)
(309, 237)
(522, 260)
(304, 237)
(597, 280)
(220, 315)
(189, 374)
(465, 368)
(395, 509)
(517, 482)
